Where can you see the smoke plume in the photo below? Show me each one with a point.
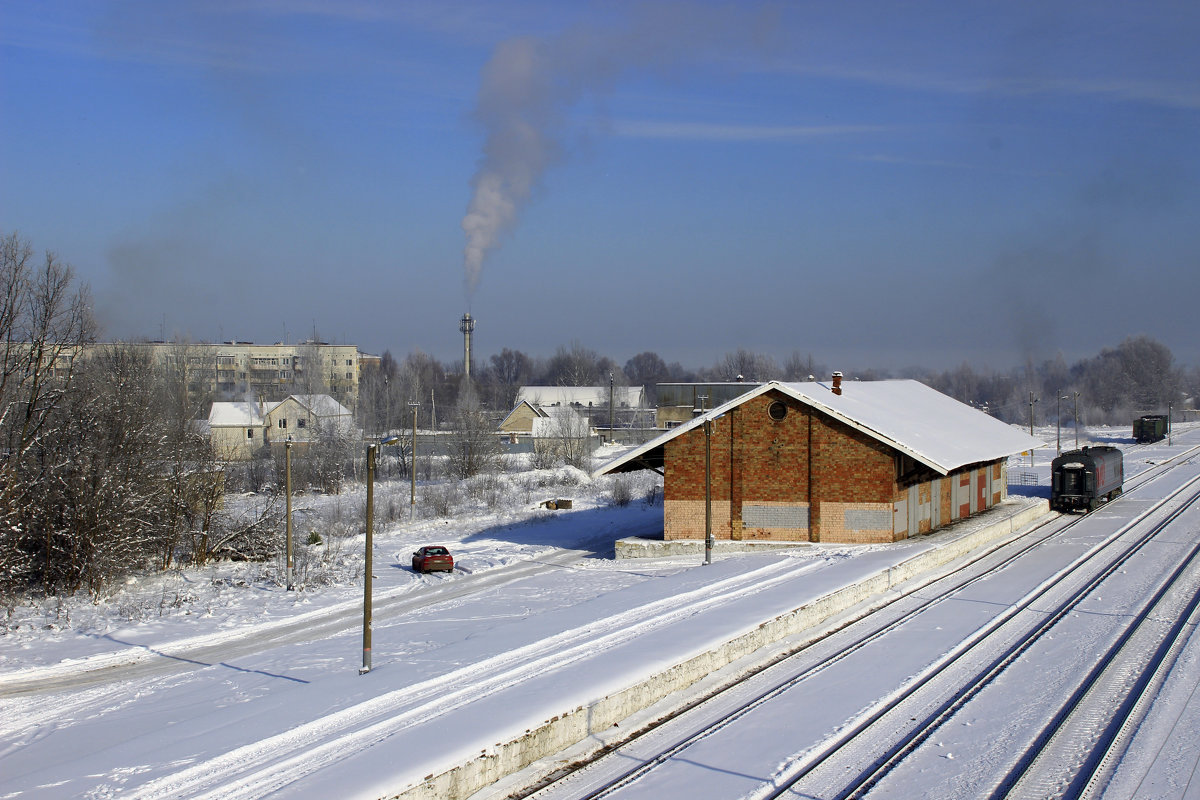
(530, 84)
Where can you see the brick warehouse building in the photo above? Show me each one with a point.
(859, 462)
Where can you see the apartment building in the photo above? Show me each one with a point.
(232, 370)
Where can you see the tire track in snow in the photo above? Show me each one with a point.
(198, 652)
(259, 768)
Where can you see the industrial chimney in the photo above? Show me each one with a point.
(466, 325)
(837, 383)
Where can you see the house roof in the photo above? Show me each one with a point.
(319, 405)
(559, 421)
(238, 414)
(908, 416)
(581, 395)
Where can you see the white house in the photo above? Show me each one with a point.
(237, 429)
(303, 416)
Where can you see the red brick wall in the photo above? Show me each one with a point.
(756, 458)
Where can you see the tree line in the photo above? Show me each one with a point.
(1138, 376)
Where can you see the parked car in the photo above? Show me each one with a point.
(432, 557)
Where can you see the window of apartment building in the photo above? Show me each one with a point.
(349, 363)
(283, 423)
(249, 433)
(349, 375)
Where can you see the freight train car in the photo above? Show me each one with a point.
(1083, 479)
(1151, 428)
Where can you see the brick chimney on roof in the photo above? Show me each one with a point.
(837, 383)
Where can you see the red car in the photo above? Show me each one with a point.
(432, 557)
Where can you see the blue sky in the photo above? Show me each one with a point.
(878, 184)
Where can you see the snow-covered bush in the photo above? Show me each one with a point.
(620, 492)
(440, 500)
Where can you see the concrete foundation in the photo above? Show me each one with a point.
(658, 548)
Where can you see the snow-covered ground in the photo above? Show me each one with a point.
(218, 682)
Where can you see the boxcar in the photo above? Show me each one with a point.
(1150, 428)
(1083, 479)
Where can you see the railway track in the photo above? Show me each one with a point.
(796, 774)
(1032, 768)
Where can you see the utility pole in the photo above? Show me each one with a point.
(412, 499)
(708, 532)
(368, 561)
(1032, 400)
(1168, 424)
(368, 564)
(287, 471)
(611, 437)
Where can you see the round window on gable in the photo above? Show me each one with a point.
(777, 410)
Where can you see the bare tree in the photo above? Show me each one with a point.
(562, 438)
(574, 366)
(799, 367)
(750, 366)
(45, 321)
(105, 504)
(506, 373)
(474, 445)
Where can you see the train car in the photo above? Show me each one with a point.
(1151, 428)
(1083, 479)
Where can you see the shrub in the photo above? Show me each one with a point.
(621, 493)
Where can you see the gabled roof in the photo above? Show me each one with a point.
(537, 412)
(240, 414)
(908, 416)
(319, 405)
(581, 395)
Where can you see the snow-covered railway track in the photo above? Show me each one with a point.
(677, 746)
(927, 704)
(271, 764)
(1077, 753)
(551, 784)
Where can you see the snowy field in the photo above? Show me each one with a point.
(218, 682)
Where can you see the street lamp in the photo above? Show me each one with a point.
(287, 482)
(1032, 400)
(1076, 420)
(369, 565)
(1058, 421)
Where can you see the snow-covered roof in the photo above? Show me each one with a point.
(560, 421)
(910, 417)
(319, 405)
(237, 414)
(581, 395)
